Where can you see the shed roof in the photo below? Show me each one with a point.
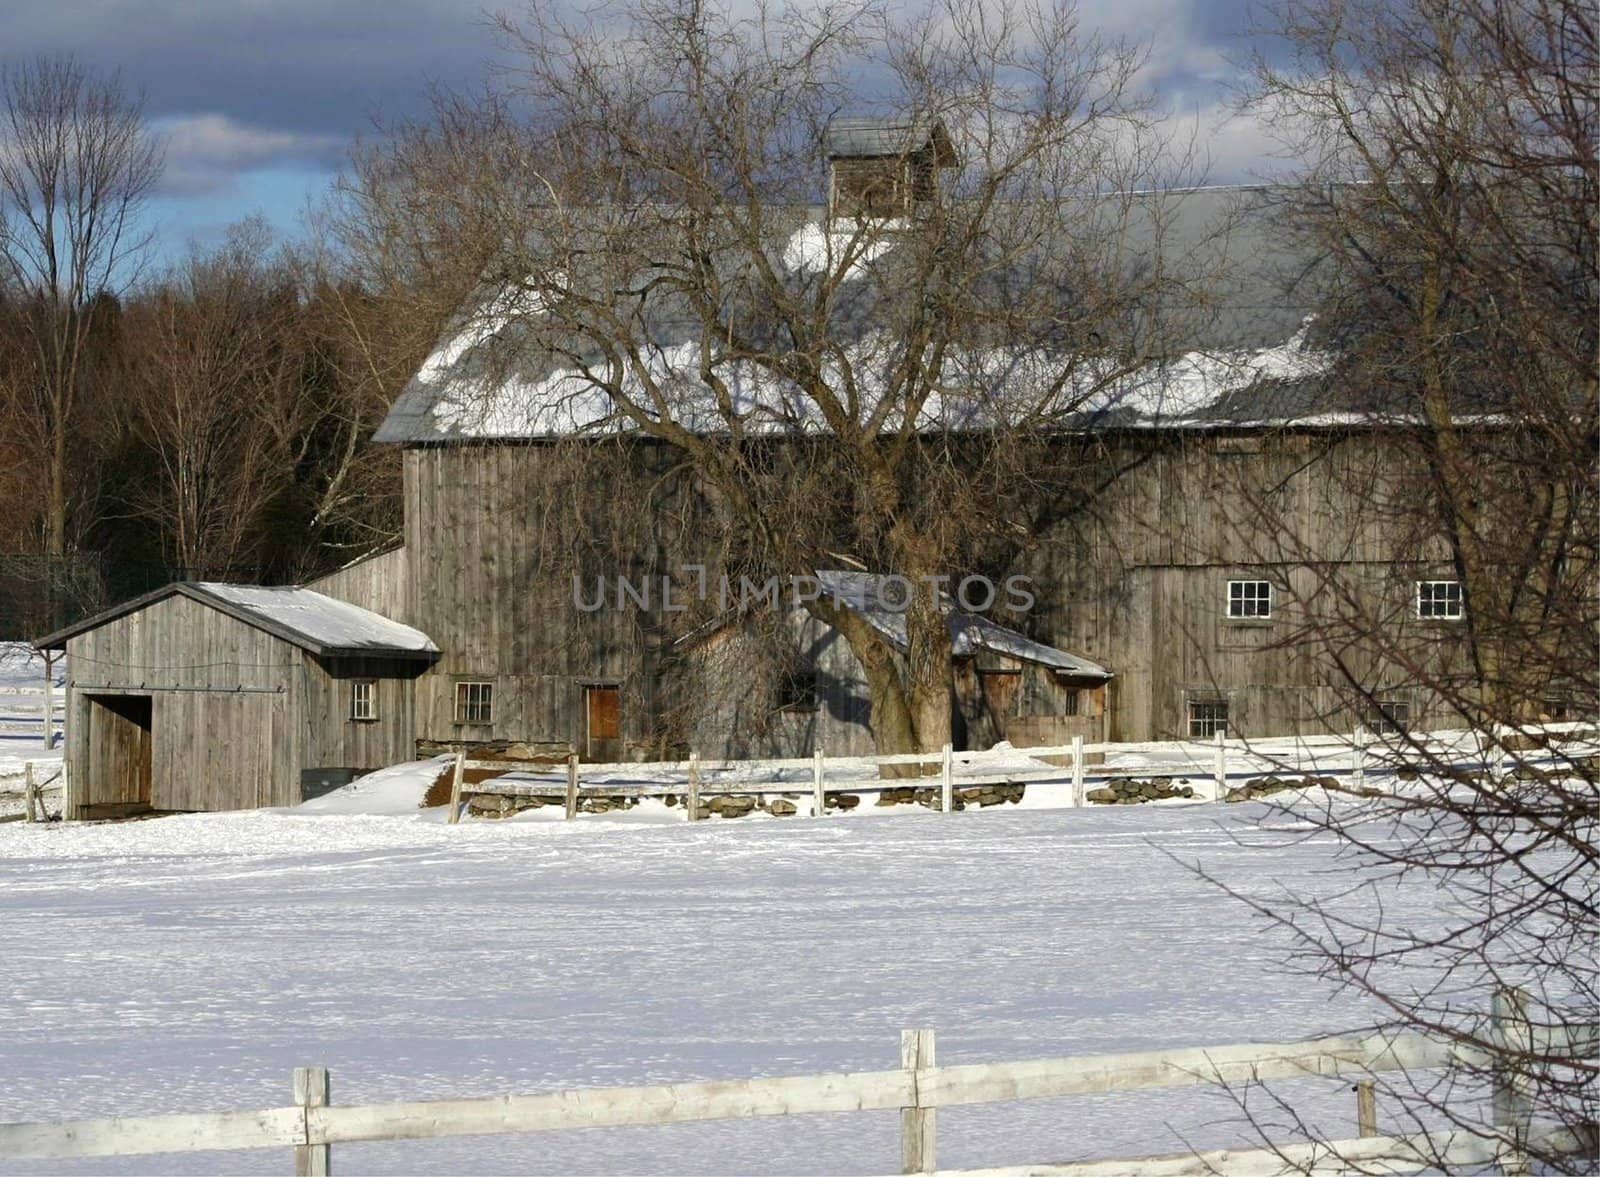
(303, 617)
(865, 593)
(863, 136)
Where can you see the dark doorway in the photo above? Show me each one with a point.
(119, 761)
(603, 709)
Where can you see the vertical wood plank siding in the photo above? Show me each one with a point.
(1135, 581)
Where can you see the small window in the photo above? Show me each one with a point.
(1249, 598)
(797, 689)
(1439, 600)
(474, 702)
(1071, 701)
(363, 700)
(1207, 717)
(1391, 717)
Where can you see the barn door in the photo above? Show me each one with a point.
(118, 768)
(603, 707)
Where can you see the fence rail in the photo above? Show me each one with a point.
(918, 1088)
(1361, 757)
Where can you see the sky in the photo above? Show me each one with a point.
(259, 99)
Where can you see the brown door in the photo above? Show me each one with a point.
(604, 708)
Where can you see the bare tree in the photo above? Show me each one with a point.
(215, 398)
(1450, 183)
(76, 165)
(857, 373)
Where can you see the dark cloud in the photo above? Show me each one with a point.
(320, 67)
(242, 86)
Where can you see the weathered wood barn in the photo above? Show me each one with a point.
(1168, 603)
(1174, 580)
(213, 696)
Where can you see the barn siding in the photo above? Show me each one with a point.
(380, 582)
(1136, 581)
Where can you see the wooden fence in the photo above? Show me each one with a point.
(1362, 757)
(312, 1124)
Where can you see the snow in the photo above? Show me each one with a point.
(190, 962)
(977, 388)
(325, 621)
(817, 248)
(21, 725)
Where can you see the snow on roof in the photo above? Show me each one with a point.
(1242, 354)
(870, 595)
(323, 621)
(303, 617)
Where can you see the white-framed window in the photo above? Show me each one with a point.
(1207, 717)
(1249, 598)
(363, 699)
(1439, 600)
(474, 702)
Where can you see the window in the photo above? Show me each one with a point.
(797, 689)
(1391, 717)
(474, 702)
(1249, 598)
(1207, 717)
(363, 700)
(1439, 599)
(1071, 704)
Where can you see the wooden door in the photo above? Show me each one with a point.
(603, 706)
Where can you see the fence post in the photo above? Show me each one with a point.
(572, 784)
(916, 1121)
(946, 785)
(692, 805)
(817, 800)
(455, 786)
(1366, 1108)
(1512, 1037)
(311, 1091)
(28, 790)
(1078, 797)
(1358, 756)
(49, 705)
(1499, 731)
(1220, 767)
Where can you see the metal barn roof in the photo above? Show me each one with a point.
(302, 617)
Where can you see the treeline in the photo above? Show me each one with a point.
(204, 417)
(220, 411)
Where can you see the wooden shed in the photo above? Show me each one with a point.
(219, 696)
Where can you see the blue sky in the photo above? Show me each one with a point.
(259, 99)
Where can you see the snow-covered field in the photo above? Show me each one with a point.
(189, 963)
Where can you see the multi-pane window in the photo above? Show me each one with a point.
(1439, 599)
(1072, 703)
(363, 699)
(474, 702)
(1207, 717)
(1391, 717)
(1249, 598)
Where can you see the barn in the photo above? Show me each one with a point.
(214, 696)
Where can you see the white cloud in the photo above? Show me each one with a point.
(206, 153)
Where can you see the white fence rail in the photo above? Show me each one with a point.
(918, 1088)
(1362, 757)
